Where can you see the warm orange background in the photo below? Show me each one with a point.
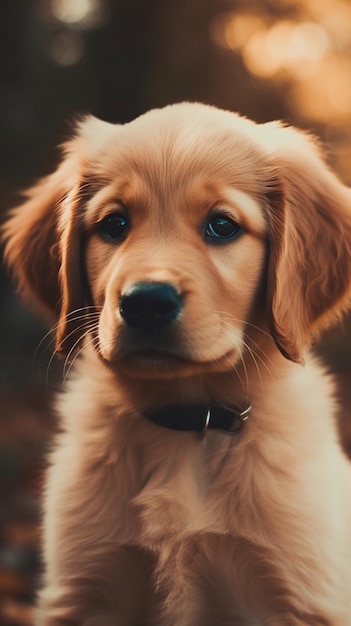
(267, 59)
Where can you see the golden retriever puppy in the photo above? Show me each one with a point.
(189, 258)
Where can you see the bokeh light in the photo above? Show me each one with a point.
(67, 48)
(307, 50)
(79, 13)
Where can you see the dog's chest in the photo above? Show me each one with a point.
(189, 485)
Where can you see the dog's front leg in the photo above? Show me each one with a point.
(113, 591)
(223, 579)
(93, 574)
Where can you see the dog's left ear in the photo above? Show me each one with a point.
(309, 264)
(42, 246)
(42, 236)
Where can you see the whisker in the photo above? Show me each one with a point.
(93, 341)
(89, 321)
(254, 359)
(247, 382)
(48, 367)
(95, 309)
(85, 332)
(54, 328)
(230, 317)
(265, 360)
(252, 347)
(50, 332)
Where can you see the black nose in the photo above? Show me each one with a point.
(150, 305)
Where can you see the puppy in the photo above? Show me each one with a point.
(188, 259)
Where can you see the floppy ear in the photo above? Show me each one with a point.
(43, 236)
(42, 248)
(309, 265)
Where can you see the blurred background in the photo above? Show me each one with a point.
(266, 59)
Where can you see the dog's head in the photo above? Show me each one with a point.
(161, 238)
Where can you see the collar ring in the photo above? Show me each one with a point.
(207, 422)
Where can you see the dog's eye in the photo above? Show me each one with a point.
(114, 226)
(221, 227)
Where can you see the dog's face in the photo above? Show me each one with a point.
(175, 240)
(163, 238)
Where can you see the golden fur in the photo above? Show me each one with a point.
(145, 525)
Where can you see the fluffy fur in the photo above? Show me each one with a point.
(145, 525)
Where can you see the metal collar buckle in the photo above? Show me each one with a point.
(242, 417)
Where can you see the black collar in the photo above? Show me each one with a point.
(199, 418)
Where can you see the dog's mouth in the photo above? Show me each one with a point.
(157, 358)
(161, 354)
(154, 363)
(157, 363)
(152, 355)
